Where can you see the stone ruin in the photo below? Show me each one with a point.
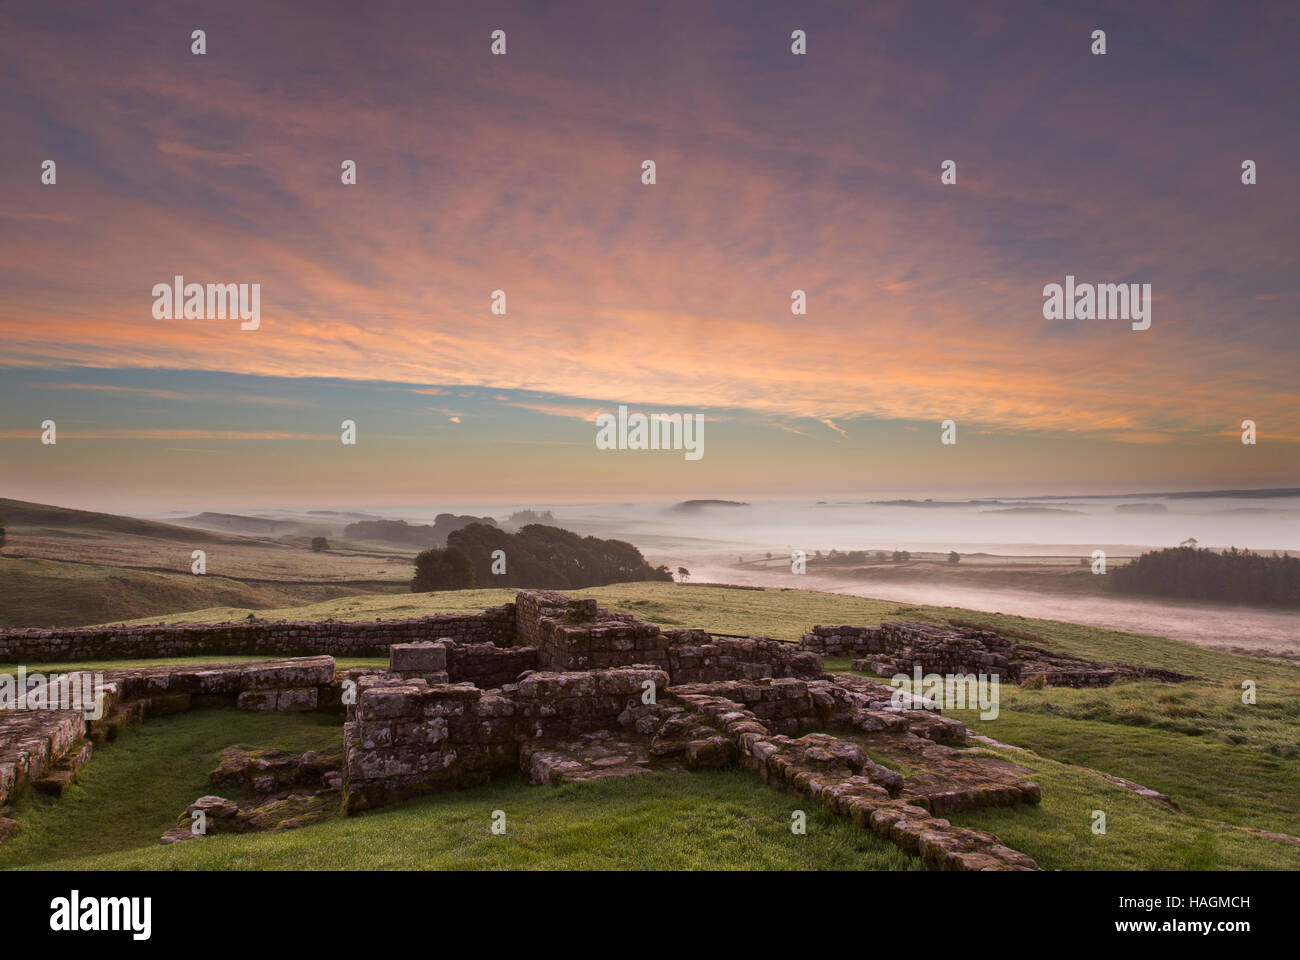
(551, 686)
(903, 647)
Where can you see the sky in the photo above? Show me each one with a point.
(775, 172)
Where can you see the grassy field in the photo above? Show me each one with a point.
(1233, 768)
(64, 567)
(51, 593)
(136, 786)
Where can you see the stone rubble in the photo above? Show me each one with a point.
(903, 647)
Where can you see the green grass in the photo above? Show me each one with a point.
(53, 593)
(783, 614)
(1209, 779)
(1220, 759)
(135, 787)
(1140, 834)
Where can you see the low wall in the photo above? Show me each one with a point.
(694, 657)
(38, 744)
(907, 646)
(842, 642)
(933, 647)
(487, 665)
(445, 661)
(338, 638)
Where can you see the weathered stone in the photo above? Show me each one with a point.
(257, 700)
(301, 699)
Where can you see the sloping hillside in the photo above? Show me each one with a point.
(52, 593)
(32, 518)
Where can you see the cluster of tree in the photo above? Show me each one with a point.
(446, 568)
(319, 544)
(1240, 576)
(537, 556)
(851, 557)
(417, 534)
(521, 517)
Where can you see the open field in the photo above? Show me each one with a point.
(51, 593)
(1234, 769)
(63, 567)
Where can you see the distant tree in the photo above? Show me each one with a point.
(319, 544)
(954, 557)
(1237, 576)
(2, 531)
(552, 558)
(683, 573)
(881, 555)
(417, 534)
(769, 556)
(521, 517)
(901, 555)
(442, 569)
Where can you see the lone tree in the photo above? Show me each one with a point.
(449, 569)
(954, 557)
(2, 532)
(319, 544)
(683, 573)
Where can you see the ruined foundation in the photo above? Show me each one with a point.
(906, 646)
(557, 688)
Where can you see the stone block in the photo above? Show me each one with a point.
(304, 698)
(257, 700)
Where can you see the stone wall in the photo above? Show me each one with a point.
(339, 638)
(906, 646)
(487, 665)
(405, 737)
(842, 642)
(45, 747)
(694, 657)
(577, 635)
(542, 630)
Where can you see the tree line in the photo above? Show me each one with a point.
(1240, 576)
(416, 534)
